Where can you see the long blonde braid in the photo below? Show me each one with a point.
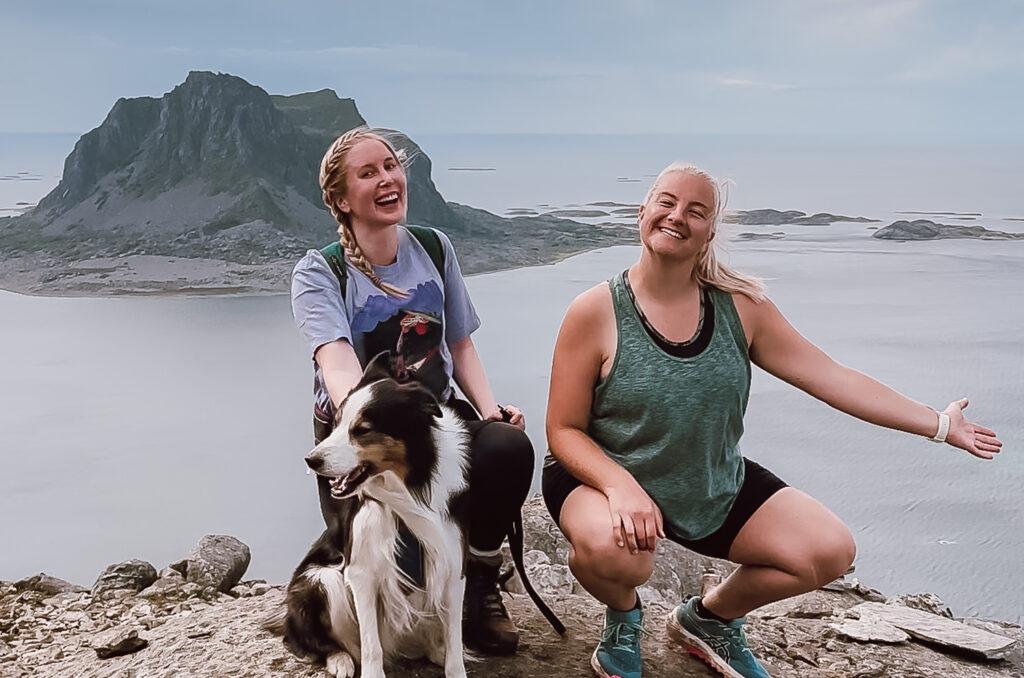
(332, 183)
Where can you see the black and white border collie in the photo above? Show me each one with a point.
(396, 454)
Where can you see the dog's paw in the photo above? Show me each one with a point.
(457, 671)
(341, 665)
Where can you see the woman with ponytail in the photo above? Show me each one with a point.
(649, 385)
(402, 297)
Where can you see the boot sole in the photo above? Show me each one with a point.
(492, 650)
(698, 648)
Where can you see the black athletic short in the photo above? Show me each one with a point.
(758, 485)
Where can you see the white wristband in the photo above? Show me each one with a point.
(940, 435)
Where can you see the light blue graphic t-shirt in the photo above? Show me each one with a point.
(418, 328)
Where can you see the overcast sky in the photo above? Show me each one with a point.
(933, 67)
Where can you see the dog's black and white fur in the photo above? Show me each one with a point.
(395, 453)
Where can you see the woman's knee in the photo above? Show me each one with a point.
(830, 558)
(599, 555)
(503, 452)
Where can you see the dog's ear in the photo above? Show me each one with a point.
(377, 369)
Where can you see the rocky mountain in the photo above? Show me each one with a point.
(925, 229)
(219, 169)
(215, 168)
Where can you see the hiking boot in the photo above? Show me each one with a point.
(486, 624)
(618, 653)
(723, 647)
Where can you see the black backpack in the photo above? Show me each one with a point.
(426, 236)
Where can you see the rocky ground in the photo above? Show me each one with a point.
(195, 618)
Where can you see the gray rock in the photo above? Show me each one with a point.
(131, 575)
(259, 589)
(44, 583)
(240, 591)
(170, 573)
(869, 669)
(167, 588)
(869, 631)
(1015, 657)
(117, 641)
(939, 630)
(926, 602)
(218, 561)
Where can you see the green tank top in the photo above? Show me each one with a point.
(675, 423)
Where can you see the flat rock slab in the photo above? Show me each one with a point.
(118, 641)
(939, 630)
(867, 630)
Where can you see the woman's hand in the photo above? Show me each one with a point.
(515, 416)
(978, 440)
(636, 519)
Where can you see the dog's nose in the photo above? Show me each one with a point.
(315, 463)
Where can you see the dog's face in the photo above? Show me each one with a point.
(383, 425)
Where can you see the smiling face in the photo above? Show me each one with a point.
(677, 218)
(375, 185)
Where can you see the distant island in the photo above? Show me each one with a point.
(942, 214)
(924, 229)
(578, 214)
(212, 189)
(772, 217)
(760, 236)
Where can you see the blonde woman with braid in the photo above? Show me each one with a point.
(400, 296)
(649, 385)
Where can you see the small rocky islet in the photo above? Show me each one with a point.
(199, 617)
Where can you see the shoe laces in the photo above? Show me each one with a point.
(485, 589)
(623, 636)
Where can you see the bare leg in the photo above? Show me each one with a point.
(791, 545)
(609, 572)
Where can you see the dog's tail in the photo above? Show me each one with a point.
(276, 620)
(515, 544)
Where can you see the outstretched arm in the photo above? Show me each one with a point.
(777, 348)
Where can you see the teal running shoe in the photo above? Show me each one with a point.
(723, 647)
(618, 653)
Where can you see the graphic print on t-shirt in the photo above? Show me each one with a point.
(411, 329)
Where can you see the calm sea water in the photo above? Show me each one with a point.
(130, 427)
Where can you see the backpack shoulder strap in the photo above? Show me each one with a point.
(336, 260)
(431, 241)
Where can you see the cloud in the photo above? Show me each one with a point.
(743, 83)
(855, 21)
(984, 53)
(400, 59)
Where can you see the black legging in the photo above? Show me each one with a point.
(500, 473)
